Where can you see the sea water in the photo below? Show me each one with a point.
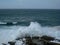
(33, 22)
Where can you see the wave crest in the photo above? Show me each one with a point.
(34, 29)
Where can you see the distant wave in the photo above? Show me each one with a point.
(15, 23)
(2, 23)
(25, 22)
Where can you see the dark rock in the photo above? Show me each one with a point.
(4, 44)
(18, 38)
(9, 23)
(50, 43)
(12, 43)
(27, 36)
(35, 37)
(28, 40)
(44, 40)
(57, 40)
(47, 38)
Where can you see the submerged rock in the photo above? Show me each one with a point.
(9, 23)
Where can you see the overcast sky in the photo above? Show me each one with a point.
(32, 4)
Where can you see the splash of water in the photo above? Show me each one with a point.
(34, 29)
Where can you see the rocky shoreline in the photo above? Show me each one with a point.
(27, 40)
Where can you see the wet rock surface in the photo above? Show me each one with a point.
(11, 43)
(27, 40)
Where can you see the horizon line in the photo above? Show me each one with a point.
(21, 8)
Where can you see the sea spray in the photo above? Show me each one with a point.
(34, 29)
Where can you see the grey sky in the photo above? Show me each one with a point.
(37, 4)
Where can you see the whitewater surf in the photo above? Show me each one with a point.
(34, 29)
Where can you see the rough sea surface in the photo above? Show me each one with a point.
(16, 23)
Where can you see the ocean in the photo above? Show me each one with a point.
(16, 23)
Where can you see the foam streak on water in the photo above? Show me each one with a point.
(34, 29)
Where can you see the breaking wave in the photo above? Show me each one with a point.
(34, 29)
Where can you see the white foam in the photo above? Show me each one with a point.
(7, 34)
(2, 22)
(55, 41)
(19, 42)
(35, 29)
